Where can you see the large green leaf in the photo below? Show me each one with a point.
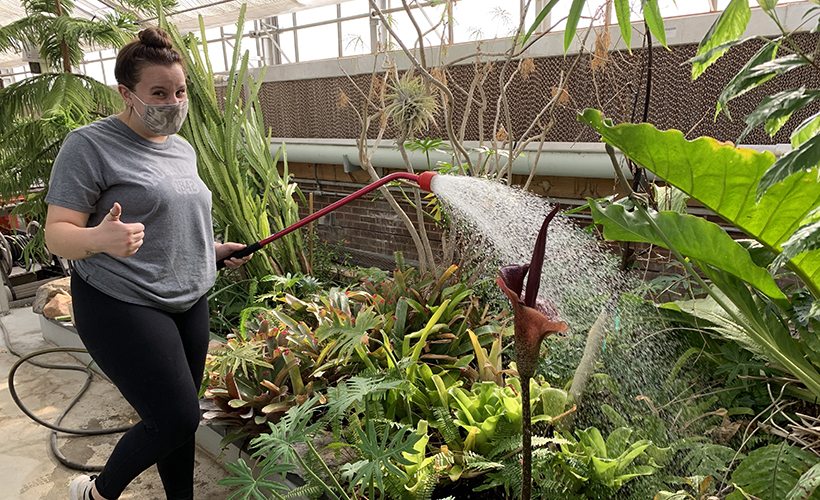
(727, 28)
(765, 327)
(771, 472)
(692, 236)
(723, 178)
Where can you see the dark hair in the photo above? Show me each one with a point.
(153, 47)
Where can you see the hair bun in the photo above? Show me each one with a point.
(155, 37)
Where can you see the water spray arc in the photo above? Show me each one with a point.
(423, 180)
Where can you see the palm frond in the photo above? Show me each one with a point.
(47, 6)
(146, 6)
(110, 30)
(51, 49)
(49, 91)
(23, 32)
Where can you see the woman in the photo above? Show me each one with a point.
(126, 204)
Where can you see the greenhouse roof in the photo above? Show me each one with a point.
(185, 15)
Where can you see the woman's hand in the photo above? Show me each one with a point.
(225, 249)
(117, 237)
(68, 236)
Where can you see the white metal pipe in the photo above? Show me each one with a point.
(560, 159)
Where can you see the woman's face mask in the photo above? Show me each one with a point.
(163, 119)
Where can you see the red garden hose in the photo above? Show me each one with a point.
(424, 179)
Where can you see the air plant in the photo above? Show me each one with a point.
(411, 107)
(535, 319)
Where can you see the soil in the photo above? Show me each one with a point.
(465, 490)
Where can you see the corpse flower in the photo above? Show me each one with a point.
(535, 317)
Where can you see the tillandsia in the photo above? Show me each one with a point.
(535, 319)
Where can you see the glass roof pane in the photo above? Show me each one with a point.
(319, 42)
(356, 37)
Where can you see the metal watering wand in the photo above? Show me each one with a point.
(423, 180)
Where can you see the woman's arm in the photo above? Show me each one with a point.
(67, 236)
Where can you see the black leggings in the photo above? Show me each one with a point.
(156, 359)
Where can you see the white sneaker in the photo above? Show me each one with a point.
(80, 488)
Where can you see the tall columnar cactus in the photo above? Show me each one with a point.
(535, 319)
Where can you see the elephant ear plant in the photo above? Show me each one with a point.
(535, 319)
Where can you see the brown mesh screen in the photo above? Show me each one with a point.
(311, 108)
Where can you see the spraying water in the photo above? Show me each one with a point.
(577, 276)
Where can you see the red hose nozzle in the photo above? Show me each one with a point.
(424, 180)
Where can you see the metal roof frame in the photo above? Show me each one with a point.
(185, 16)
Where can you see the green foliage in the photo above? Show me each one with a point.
(702, 458)
(294, 427)
(724, 178)
(382, 455)
(261, 372)
(51, 30)
(610, 462)
(251, 199)
(770, 473)
(37, 113)
(699, 488)
(28, 147)
(775, 110)
(581, 466)
(253, 485)
(356, 391)
(651, 13)
(769, 62)
(329, 258)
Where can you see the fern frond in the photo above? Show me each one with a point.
(706, 459)
(445, 426)
(506, 444)
(307, 490)
(478, 462)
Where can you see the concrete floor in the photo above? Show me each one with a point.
(28, 469)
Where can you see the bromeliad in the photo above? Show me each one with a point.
(535, 319)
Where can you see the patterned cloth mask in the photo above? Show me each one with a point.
(163, 119)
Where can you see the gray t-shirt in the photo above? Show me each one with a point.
(156, 184)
